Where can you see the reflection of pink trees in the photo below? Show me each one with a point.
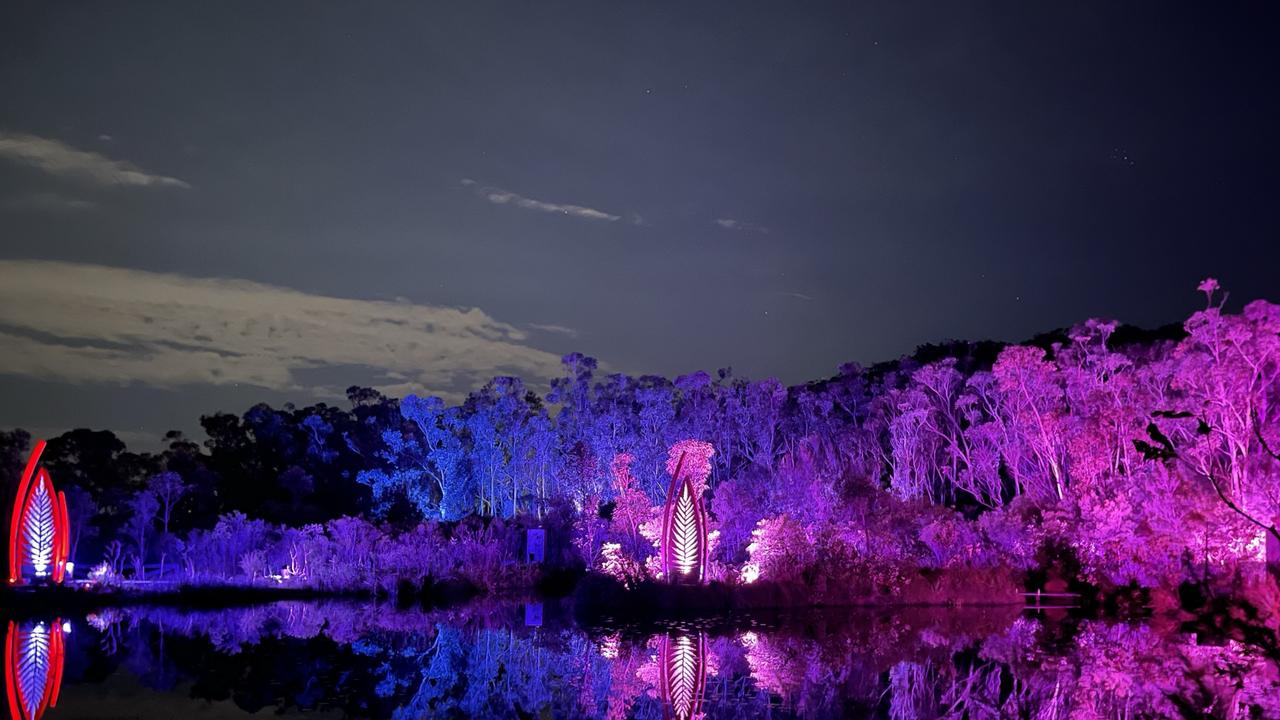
(776, 667)
(627, 682)
(911, 664)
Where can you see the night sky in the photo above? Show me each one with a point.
(203, 206)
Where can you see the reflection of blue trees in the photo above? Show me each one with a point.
(493, 673)
(442, 674)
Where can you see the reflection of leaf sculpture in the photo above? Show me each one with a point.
(684, 532)
(683, 677)
(38, 527)
(684, 674)
(33, 669)
(33, 664)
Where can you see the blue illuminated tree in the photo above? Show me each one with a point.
(440, 428)
(140, 527)
(318, 432)
(655, 400)
(426, 462)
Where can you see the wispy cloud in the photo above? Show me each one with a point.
(733, 224)
(797, 296)
(57, 158)
(92, 324)
(498, 196)
(555, 329)
(46, 202)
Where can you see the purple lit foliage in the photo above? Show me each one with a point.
(1143, 456)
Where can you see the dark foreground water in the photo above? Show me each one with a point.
(520, 661)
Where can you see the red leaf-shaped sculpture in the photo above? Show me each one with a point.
(39, 527)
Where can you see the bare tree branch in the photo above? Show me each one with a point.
(1168, 450)
(1218, 489)
(1257, 430)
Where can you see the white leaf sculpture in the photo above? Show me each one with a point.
(684, 532)
(39, 529)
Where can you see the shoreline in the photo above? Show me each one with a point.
(597, 597)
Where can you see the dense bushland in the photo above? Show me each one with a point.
(1104, 453)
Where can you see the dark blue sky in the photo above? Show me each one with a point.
(244, 201)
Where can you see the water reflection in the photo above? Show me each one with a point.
(33, 664)
(682, 659)
(488, 660)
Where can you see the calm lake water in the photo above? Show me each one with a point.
(496, 660)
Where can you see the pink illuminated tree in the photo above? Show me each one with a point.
(1228, 373)
(929, 448)
(691, 460)
(631, 508)
(1032, 409)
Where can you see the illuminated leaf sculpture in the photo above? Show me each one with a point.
(684, 522)
(684, 533)
(39, 528)
(683, 666)
(34, 657)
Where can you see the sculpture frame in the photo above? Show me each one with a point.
(35, 478)
(684, 522)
